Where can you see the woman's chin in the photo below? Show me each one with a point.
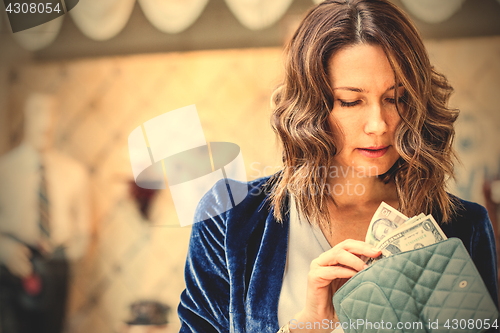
(373, 169)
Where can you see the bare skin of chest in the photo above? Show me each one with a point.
(350, 222)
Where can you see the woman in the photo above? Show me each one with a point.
(362, 117)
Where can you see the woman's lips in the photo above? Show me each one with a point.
(374, 152)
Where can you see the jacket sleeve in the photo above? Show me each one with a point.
(204, 305)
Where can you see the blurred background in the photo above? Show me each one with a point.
(111, 65)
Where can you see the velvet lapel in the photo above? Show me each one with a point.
(267, 277)
(256, 248)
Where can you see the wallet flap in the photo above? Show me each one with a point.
(437, 282)
(460, 292)
(368, 301)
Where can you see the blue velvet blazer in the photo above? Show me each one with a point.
(236, 260)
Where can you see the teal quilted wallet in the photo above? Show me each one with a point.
(432, 289)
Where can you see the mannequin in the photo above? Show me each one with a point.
(44, 224)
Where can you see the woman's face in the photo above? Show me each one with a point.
(364, 108)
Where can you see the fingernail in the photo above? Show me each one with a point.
(366, 266)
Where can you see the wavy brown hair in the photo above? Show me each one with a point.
(305, 99)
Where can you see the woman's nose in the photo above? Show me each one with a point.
(375, 122)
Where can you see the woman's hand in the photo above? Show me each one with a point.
(326, 275)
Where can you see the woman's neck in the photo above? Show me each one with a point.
(350, 191)
(352, 209)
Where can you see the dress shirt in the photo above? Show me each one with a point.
(306, 242)
(67, 189)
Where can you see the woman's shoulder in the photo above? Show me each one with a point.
(235, 225)
(469, 220)
(469, 212)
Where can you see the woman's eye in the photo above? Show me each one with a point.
(393, 101)
(348, 104)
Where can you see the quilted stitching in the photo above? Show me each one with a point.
(418, 285)
(369, 297)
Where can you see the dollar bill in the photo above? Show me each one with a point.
(414, 219)
(421, 233)
(384, 221)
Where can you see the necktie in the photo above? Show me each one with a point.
(44, 219)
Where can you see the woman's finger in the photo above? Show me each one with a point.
(325, 275)
(357, 247)
(353, 246)
(339, 257)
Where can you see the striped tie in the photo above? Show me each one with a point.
(44, 223)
